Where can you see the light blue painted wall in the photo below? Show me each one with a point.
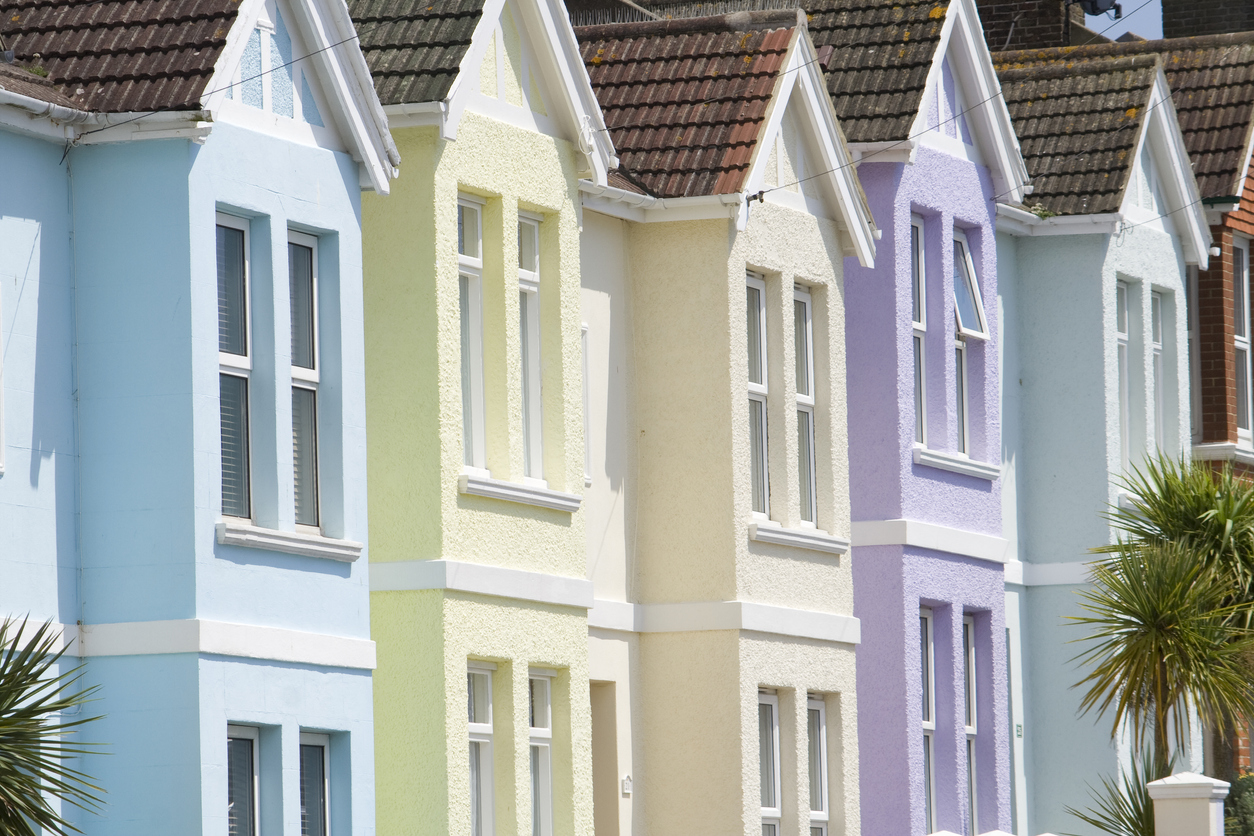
(1061, 447)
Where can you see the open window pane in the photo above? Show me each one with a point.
(305, 454)
(301, 281)
(233, 393)
(241, 815)
(313, 801)
(966, 291)
(232, 293)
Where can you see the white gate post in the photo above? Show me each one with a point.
(1188, 804)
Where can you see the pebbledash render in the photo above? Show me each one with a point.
(183, 484)
(925, 425)
(721, 641)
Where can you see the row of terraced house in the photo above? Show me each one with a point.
(630, 418)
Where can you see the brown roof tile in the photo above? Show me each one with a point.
(16, 79)
(1212, 79)
(685, 100)
(122, 55)
(1078, 127)
(414, 47)
(881, 51)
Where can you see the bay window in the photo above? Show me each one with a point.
(529, 344)
(768, 762)
(479, 719)
(234, 363)
(302, 258)
(755, 330)
(470, 288)
(804, 353)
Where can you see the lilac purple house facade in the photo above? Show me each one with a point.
(938, 153)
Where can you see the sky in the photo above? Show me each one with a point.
(1142, 17)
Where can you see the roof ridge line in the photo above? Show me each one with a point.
(743, 21)
(1042, 70)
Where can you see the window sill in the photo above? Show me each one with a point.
(956, 463)
(800, 538)
(533, 494)
(291, 542)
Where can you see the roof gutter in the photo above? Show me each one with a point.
(1017, 221)
(644, 208)
(196, 124)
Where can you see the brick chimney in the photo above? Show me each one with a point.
(1186, 18)
(1028, 24)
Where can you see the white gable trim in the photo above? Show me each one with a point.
(1161, 131)
(802, 81)
(575, 107)
(989, 118)
(328, 31)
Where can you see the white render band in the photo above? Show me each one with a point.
(698, 616)
(930, 536)
(481, 579)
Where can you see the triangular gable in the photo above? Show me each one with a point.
(801, 158)
(963, 80)
(1160, 190)
(293, 67)
(946, 107)
(540, 82)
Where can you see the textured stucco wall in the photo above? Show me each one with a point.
(413, 342)
(425, 639)
(1063, 393)
(891, 583)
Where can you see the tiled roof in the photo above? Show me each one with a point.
(882, 51)
(1212, 79)
(18, 80)
(414, 47)
(685, 100)
(1078, 127)
(118, 56)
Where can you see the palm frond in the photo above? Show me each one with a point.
(1123, 807)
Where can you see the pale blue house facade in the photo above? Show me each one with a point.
(183, 390)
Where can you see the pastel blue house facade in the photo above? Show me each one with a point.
(152, 225)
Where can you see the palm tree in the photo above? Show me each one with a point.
(38, 709)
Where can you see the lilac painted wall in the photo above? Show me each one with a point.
(891, 583)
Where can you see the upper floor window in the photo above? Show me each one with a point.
(1241, 334)
(970, 322)
(755, 333)
(1159, 381)
(302, 260)
(529, 344)
(234, 363)
(470, 287)
(803, 342)
(1124, 371)
(918, 318)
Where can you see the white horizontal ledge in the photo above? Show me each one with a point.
(799, 538)
(291, 542)
(956, 463)
(1224, 452)
(479, 579)
(1047, 574)
(924, 535)
(469, 483)
(221, 638)
(699, 616)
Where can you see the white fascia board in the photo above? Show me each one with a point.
(630, 206)
(1163, 131)
(418, 115)
(801, 77)
(924, 535)
(701, 616)
(43, 120)
(889, 151)
(1047, 574)
(219, 638)
(1017, 221)
(480, 579)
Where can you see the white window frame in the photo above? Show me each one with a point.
(758, 394)
(819, 818)
(308, 379)
(1123, 360)
(962, 403)
(324, 741)
(587, 403)
(960, 240)
(771, 816)
(471, 269)
(918, 316)
(1195, 361)
(971, 719)
(1242, 343)
(481, 734)
(529, 355)
(541, 743)
(1156, 358)
(927, 646)
(237, 365)
(254, 734)
(806, 404)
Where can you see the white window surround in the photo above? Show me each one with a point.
(765, 531)
(918, 278)
(323, 742)
(971, 715)
(927, 672)
(253, 734)
(1123, 317)
(807, 457)
(1242, 339)
(529, 345)
(962, 413)
(525, 493)
(1159, 378)
(480, 728)
(309, 378)
(470, 283)
(956, 463)
(540, 684)
(240, 365)
(242, 533)
(820, 812)
(757, 394)
(771, 812)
